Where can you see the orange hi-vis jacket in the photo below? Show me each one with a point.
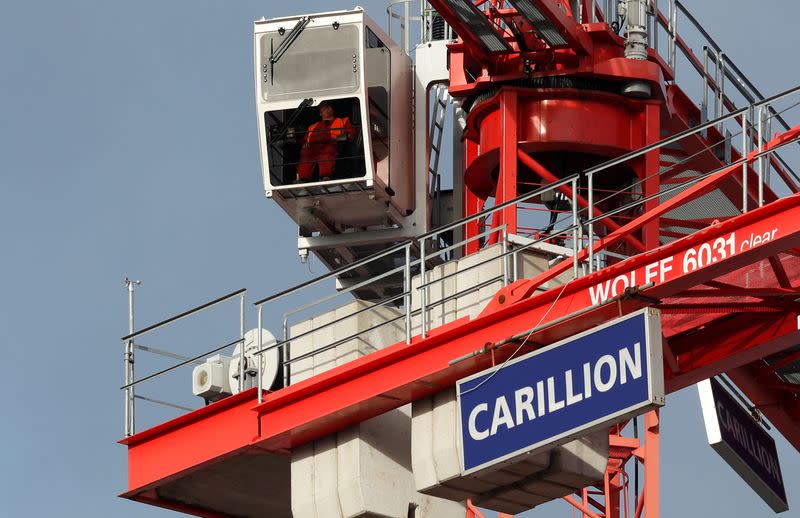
(338, 126)
(320, 147)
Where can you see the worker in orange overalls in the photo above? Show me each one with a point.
(319, 144)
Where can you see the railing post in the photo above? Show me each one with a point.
(128, 361)
(258, 366)
(514, 266)
(674, 39)
(406, 27)
(287, 351)
(407, 290)
(590, 209)
(389, 20)
(128, 393)
(670, 10)
(704, 110)
(423, 275)
(241, 335)
(504, 252)
(575, 226)
(745, 193)
(768, 132)
(721, 86)
(654, 37)
(717, 108)
(760, 165)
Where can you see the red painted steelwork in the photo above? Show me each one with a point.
(507, 179)
(556, 119)
(594, 50)
(191, 440)
(737, 340)
(652, 449)
(781, 408)
(582, 507)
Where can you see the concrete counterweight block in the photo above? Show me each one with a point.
(579, 463)
(512, 486)
(364, 470)
(453, 290)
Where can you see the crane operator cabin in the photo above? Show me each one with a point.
(333, 98)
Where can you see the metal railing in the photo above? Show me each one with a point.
(130, 346)
(426, 21)
(716, 70)
(399, 14)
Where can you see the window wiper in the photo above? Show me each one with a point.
(290, 120)
(290, 38)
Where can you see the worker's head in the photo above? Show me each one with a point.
(325, 111)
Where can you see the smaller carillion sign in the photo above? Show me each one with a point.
(743, 443)
(563, 391)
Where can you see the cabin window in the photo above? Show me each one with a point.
(311, 62)
(315, 143)
(378, 76)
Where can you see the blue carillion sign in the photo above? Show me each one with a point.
(562, 391)
(743, 443)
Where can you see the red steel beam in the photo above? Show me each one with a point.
(780, 272)
(652, 463)
(781, 408)
(190, 440)
(718, 307)
(507, 176)
(729, 343)
(757, 293)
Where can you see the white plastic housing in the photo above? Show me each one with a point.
(270, 361)
(210, 380)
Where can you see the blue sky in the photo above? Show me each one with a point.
(128, 147)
